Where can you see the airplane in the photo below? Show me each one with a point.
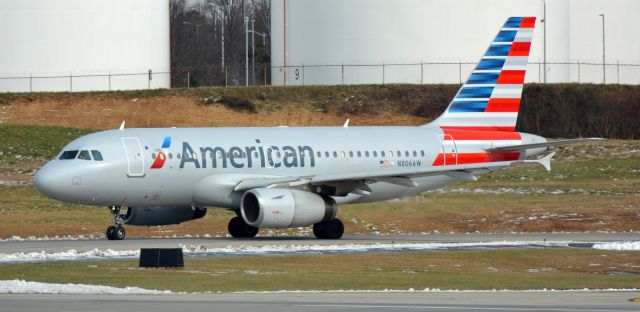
(281, 177)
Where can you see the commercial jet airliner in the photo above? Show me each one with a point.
(284, 177)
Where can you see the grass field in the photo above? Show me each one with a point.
(478, 270)
(592, 187)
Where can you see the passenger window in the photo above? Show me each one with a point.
(406, 153)
(335, 154)
(326, 154)
(366, 153)
(359, 154)
(319, 154)
(68, 155)
(344, 154)
(170, 156)
(84, 155)
(399, 153)
(178, 155)
(415, 154)
(153, 155)
(351, 154)
(375, 154)
(97, 156)
(422, 153)
(381, 153)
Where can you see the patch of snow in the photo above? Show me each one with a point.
(198, 250)
(71, 254)
(618, 246)
(24, 287)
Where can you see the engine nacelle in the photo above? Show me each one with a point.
(281, 208)
(162, 215)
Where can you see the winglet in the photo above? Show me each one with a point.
(544, 161)
(346, 124)
(121, 125)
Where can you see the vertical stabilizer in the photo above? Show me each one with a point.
(490, 98)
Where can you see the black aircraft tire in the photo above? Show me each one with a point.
(119, 233)
(110, 231)
(239, 229)
(332, 229)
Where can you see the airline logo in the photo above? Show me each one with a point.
(485, 110)
(162, 154)
(490, 98)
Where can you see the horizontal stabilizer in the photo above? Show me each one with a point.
(522, 147)
(544, 161)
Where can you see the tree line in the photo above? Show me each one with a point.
(201, 31)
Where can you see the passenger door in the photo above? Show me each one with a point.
(135, 157)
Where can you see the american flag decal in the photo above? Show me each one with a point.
(385, 163)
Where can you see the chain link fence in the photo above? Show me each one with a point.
(105, 81)
(332, 74)
(451, 73)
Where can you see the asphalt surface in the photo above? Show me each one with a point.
(283, 302)
(220, 242)
(572, 301)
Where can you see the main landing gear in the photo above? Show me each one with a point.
(240, 229)
(116, 232)
(332, 229)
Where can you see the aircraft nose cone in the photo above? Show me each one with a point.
(48, 181)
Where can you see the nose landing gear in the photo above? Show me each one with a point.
(116, 232)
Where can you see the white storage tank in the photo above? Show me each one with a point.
(84, 45)
(382, 41)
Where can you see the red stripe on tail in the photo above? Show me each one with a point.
(511, 77)
(520, 49)
(528, 22)
(503, 105)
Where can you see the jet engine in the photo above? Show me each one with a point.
(162, 215)
(281, 208)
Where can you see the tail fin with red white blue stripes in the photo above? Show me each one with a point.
(490, 98)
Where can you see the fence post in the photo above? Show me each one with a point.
(30, 83)
(540, 71)
(265, 73)
(303, 74)
(70, 82)
(342, 69)
(383, 72)
(578, 71)
(188, 80)
(149, 80)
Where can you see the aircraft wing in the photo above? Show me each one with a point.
(400, 176)
(522, 147)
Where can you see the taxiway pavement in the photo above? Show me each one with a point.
(572, 301)
(49, 246)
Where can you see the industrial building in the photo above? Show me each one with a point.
(438, 41)
(80, 45)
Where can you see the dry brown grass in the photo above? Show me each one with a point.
(173, 111)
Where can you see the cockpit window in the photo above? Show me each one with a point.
(96, 155)
(84, 155)
(68, 155)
